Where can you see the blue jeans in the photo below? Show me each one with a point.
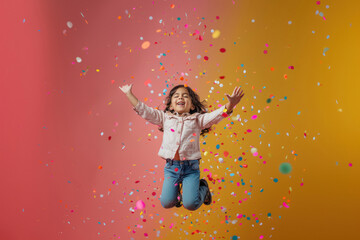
(187, 172)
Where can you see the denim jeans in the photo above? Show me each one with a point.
(186, 172)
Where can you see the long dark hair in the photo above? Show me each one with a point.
(200, 107)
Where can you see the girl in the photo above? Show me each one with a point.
(182, 121)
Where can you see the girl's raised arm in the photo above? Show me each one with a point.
(154, 116)
(127, 90)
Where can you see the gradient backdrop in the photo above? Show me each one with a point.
(76, 158)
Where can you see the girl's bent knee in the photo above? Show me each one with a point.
(190, 207)
(167, 204)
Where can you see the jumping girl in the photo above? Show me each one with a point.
(184, 119)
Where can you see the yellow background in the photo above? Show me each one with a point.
(327, 205)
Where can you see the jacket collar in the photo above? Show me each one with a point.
(176, 114)
(184, 114)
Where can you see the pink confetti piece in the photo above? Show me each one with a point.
(140, 204)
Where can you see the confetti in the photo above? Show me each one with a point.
(69, 24)
(285, 168)
(140, 204)
(216, 34)
(145, 45)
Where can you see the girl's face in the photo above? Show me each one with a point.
(181, 101)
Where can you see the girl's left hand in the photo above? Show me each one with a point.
(235, 98)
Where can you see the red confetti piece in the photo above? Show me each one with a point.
(226, 153)
(206, 58)
(147, 82)
(176, 169)
(222, 50)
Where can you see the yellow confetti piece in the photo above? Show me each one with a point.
(216, 34)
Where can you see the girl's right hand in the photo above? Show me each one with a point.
(126, 88)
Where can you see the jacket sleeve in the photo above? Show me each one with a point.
(154, 116)
(206, 120)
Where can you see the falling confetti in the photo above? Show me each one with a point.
(216, 34)
(69, 24)
(145, 45)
